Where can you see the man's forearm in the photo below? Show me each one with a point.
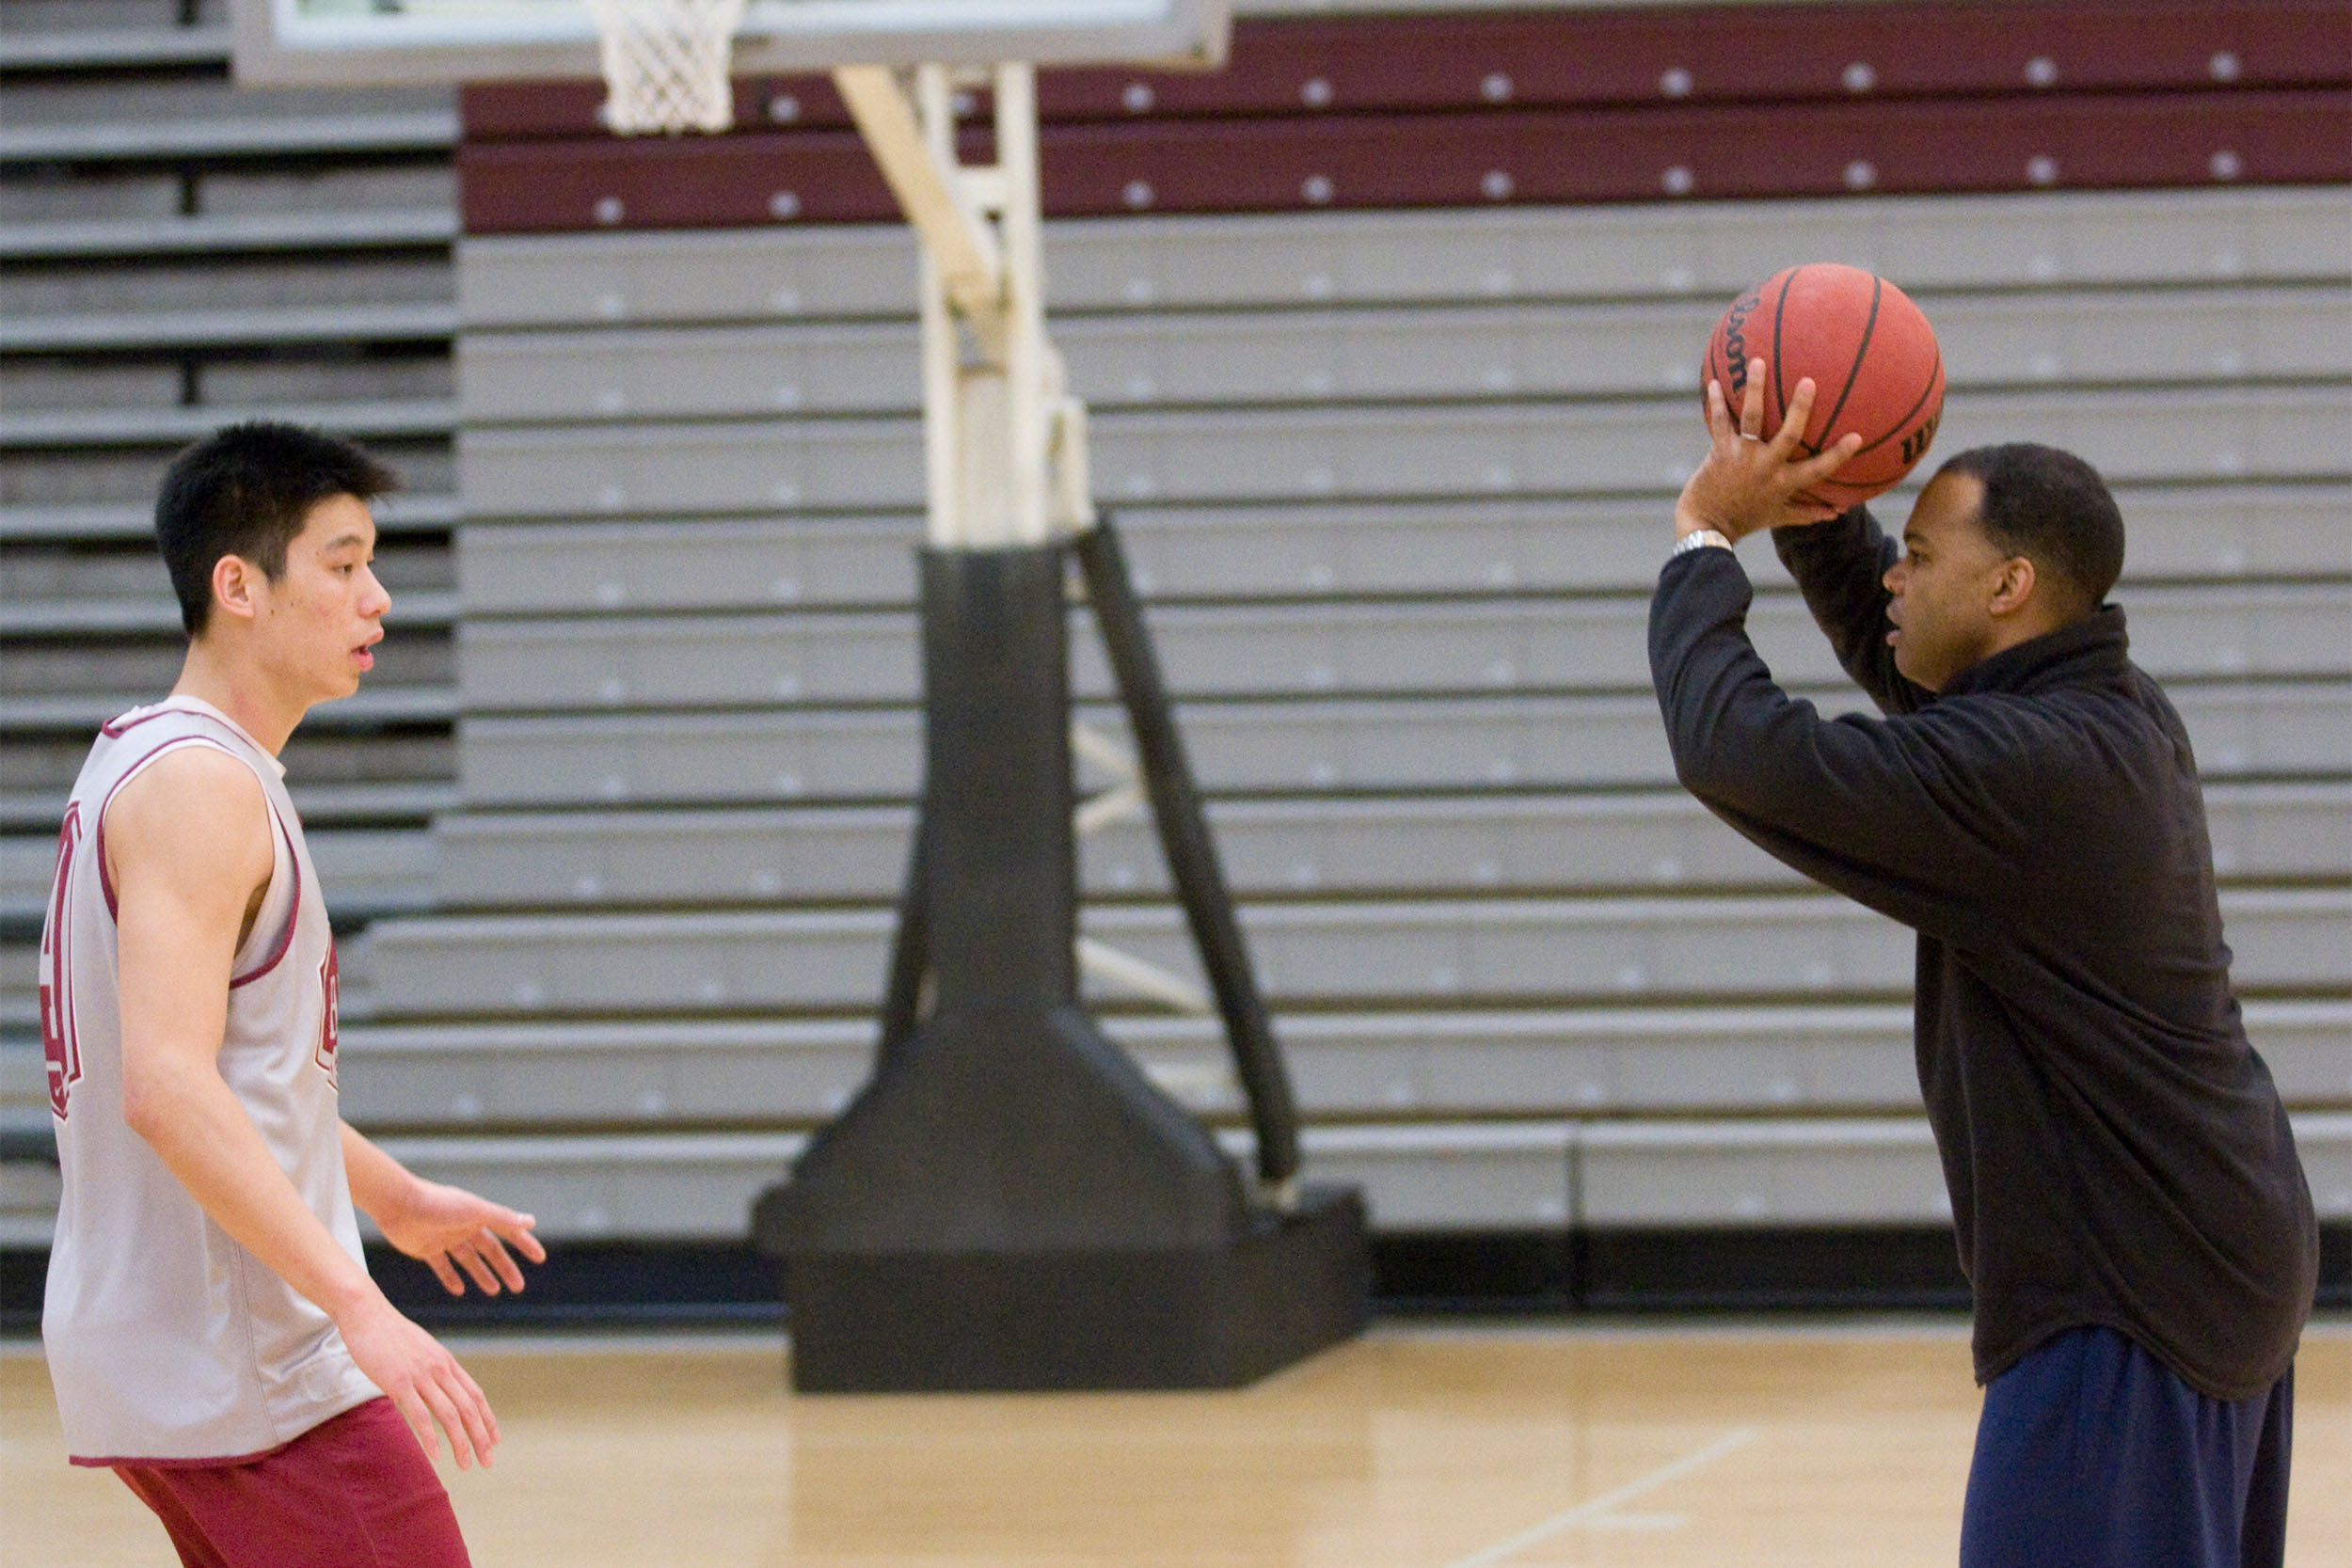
(380, 1185)
(193, 1121)
(1841, 566)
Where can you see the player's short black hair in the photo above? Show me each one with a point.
(2052, 508)
(245, 491)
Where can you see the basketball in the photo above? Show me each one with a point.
(1872, 357)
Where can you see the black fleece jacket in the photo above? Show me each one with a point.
(2115, 1149)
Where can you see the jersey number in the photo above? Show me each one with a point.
(57, 971)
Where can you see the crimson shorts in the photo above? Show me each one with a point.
(356, 1490)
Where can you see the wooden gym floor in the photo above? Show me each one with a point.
(1428, 1445)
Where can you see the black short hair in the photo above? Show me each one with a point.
(2052, 508)
(245, 491)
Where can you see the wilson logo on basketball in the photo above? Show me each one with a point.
(1736, 345)
(1915, 444)
(330, 993)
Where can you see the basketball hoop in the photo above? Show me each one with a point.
(665, 63)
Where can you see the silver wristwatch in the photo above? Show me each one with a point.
(1699, 539)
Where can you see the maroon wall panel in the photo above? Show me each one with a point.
(1567, 58)
(2084, 141)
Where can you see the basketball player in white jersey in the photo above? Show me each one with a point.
(210, 1329)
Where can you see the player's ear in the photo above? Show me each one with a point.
(2013, 588)
(236, 587)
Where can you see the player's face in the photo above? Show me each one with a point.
(1944, 585)
(325, 613)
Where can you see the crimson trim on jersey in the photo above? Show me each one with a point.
(105, 881)
(294, 910)
(116, 728)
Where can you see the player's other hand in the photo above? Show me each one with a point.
(423, 1381)
(449, 1229)
(1749, 482)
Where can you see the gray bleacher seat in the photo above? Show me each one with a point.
(1335, 548)
(363, 871)
(402, 514)
(228, 233)
(177, 426)
(1776, 943)
(150, 331)
(114, 48)
(2238, 729)
(2232, 433)
(1661, 838)
(2197, 336)
(1384, 258)
(248, 133)
(1429, 1178)
(1522, 644)
(157, 613)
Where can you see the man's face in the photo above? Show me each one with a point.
(1944, 585)
(320, 619)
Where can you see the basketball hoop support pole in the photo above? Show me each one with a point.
(1008, 1202)
(1004, 443)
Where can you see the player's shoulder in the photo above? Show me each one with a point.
(197, 800)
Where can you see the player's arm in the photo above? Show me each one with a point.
(1840, 568)
(188, 847)
(447, 1229)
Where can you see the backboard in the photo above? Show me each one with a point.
(324, 41)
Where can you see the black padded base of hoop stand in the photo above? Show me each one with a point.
(1215, 1316)
(1010, 1203)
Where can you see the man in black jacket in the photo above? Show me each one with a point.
(2130, 1208)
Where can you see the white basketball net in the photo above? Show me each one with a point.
(665, 63)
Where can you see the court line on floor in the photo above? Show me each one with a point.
(1585, 1512)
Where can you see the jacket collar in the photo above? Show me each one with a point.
(2092, 648)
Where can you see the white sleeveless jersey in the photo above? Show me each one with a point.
(166, 1339)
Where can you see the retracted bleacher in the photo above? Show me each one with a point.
(1393, 460)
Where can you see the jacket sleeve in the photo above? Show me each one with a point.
(1922, 816)
(1840, 567)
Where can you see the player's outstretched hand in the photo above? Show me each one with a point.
(448, 1229)
(1749, 482)
(423, 1381)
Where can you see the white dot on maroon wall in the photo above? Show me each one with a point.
(1861, 175)
(1495, 89)
(1676, 83)
(2225, 165)
(2224, 66)
(1137, 193)
(1496, 184)
(1860, 77)
(2041, 70)
(609, 209)
(1138, 97)
(1315, 92)
(1318, 189)
(783, 204)
(1677, 181)
(2042, 170)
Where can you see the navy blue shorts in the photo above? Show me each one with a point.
(2093, 1454)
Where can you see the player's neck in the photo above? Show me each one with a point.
(243, 691)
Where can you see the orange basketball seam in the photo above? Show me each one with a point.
(1935, 376)
(1780, 309)
(1862, 352)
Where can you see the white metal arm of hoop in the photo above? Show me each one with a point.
(938, 201)
(1005, 443)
